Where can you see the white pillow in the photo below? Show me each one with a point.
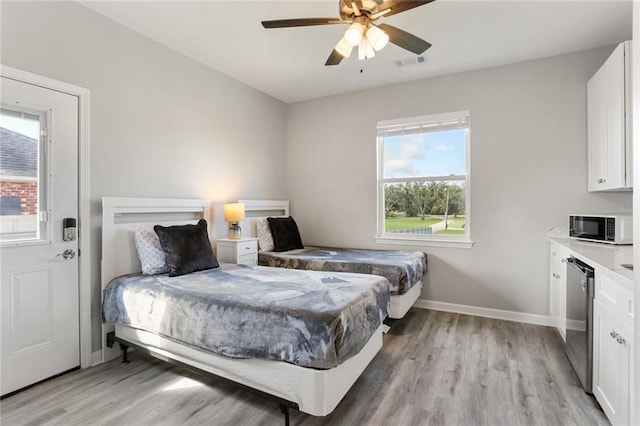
(150, 253)
(263, 232)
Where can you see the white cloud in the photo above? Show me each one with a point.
(443, 147)
(402, 161)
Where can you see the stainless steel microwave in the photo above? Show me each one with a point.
(611, 229)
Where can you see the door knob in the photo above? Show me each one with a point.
(68, 254)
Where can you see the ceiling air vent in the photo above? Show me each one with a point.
(414, 60)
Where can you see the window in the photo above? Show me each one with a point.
(423, 179)
(22, 175)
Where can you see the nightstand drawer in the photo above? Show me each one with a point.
(247, 247)
(248, 259)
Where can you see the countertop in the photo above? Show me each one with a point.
(600, 255)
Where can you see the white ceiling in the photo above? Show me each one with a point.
(288, 63)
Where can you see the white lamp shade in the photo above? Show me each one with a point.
(377, 37)
(365, 50)
(353, 35)
(234, 212)
(344, 48)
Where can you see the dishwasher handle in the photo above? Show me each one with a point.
(583, 267)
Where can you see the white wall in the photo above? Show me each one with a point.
(162, 125)
(528, 171)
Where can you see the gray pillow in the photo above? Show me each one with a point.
(187, 247)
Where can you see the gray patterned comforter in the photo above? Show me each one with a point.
(307, 318)
(403, 269)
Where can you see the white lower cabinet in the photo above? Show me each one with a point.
(558, 286)
(613, 348)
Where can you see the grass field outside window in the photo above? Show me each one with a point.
(453, 226)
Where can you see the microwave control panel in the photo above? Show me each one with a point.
(610, 229)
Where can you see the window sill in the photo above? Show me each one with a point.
(404, 241)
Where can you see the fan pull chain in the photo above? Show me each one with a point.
(362, 68)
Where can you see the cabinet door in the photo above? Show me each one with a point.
(615, 120)
(558, 286)
(607, 368)
(597, 131)
(626, 381)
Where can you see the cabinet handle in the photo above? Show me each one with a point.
(602, 180)
(613, 334)
(620, 339)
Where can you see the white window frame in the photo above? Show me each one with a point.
(440, 120)
(43, 178)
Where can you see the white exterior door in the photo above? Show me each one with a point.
(38, 269)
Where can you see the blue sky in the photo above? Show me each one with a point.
(29, 128)
(425, 154)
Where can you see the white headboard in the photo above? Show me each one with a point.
(255, 209)
(120, 218)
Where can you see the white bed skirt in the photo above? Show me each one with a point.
(400, 304)
(317, 392)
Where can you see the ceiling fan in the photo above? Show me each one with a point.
(362, 32)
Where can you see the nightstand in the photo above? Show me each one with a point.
(242, 250)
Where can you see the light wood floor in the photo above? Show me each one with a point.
(435, 369)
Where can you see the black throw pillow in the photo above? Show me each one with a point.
(286, 235)
(187, 247)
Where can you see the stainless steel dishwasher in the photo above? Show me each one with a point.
(579, 345)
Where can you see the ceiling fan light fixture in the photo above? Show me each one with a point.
(377, 37)
(365, 50)
(344, 47)
(353, 35)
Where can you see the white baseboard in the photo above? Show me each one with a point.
(486, 312)
(96, 358)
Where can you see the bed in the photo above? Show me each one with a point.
(336, 318)
(403, 269)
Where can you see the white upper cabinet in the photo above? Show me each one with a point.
(609, 124)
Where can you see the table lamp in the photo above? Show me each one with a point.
(234, 213)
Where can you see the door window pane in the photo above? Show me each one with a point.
(20, 175)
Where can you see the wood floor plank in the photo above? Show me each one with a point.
(435, 368)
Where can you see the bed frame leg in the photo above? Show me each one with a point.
(124, 348)
(285, 411)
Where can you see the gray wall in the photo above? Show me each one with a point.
(162, 125)
(528, 172)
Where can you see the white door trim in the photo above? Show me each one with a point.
(84, 197)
